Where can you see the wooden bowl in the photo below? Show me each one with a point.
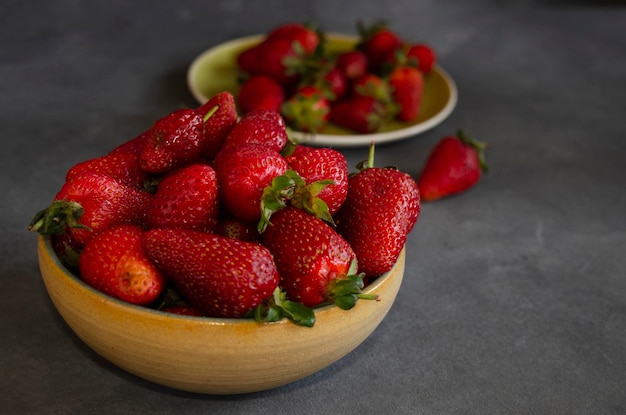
(212, 355)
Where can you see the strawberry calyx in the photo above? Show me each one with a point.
(290, 187)
(54, 219)
(479, 146)
(278, 307)
(344, 292)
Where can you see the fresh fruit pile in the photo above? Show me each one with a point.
(362, 88)
(209, 214)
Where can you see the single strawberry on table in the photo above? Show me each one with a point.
(186, 198)
(316, 265)
(115, 263)
(220, 276)
(455, 164)
(381, 208)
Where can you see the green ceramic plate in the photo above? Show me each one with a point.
(215, 70)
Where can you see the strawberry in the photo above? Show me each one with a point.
(220, 276)
(407, 89)
(307, 37)
(314, 262)
(184, 310)
(237, 229)
(263, 127)
(173, 141)
(243, 172)
(423, 55)
(89, 204)
(123, 167)
(260, 92)
(362, 114)
(186, 198)
(307, 110)
(381, 209)
(379, 44)
(219, 114)
(115, 263)
(334, 83)
(279, 58)
(352, 63)
(133, 146)
(454, 165)
(323, 164)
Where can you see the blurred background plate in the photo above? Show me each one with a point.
(215, 70)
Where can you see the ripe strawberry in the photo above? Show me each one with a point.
(352, 63)
(173, 141)
(115, 263)
(423, 55)
(314, 261)
(237, 229)
(89, 204)
(220, 276)
(407, 89)
(362, 114)
(454, 165)
(278, 58)
(380, 44)
(263, 127)
(123, 167)
(133, 146)
(334, 84)
(260, 92)
(307, 110)
(381, 209)
(219, 114)
(186, 198)
(323, 164)
(307, 37)
(243, 172)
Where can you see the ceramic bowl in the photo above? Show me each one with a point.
(212, 355)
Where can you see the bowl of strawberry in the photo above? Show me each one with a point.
(210, 254)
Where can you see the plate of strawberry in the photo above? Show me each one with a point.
(332, 89)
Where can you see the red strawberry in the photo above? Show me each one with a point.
(173, 141)
(380, 44)
(307, 110)
(407, 89)
(362, 114)
(89, 204)
(306, 36)
(220, 276)
(260, 92)
(133, 146)
(115, 263)
(123, 167)
(184, 310)
(454, 165)
(322, 164)
(219, 114)
(237, 229)
(186, 198)
(424, 56)
(263, 127)
(313, 260)
(382, 207)
(243, 173)
(278, 58)
(353, 64)
(334, 83)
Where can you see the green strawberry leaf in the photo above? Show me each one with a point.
(278, 307)
(346, 291)
(54, 219)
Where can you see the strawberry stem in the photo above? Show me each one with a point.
(210, 113)
(479, 146)
(278, 307)
(54, 219)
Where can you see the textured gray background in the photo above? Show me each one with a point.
(514, 298)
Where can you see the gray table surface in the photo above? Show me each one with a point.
(514, 298)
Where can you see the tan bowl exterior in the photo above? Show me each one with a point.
(211, 355)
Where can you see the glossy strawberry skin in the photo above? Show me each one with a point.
(309, 254)
(243, 173)
(381, 209)
(407, 86)
(186, 198)
(105, 203)
(323, 163)
(121, 166)
(174, 140)
(260, 92)
(115, 263)
(453, 166)
(263, 127)
(220, 276)
(218, 124)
